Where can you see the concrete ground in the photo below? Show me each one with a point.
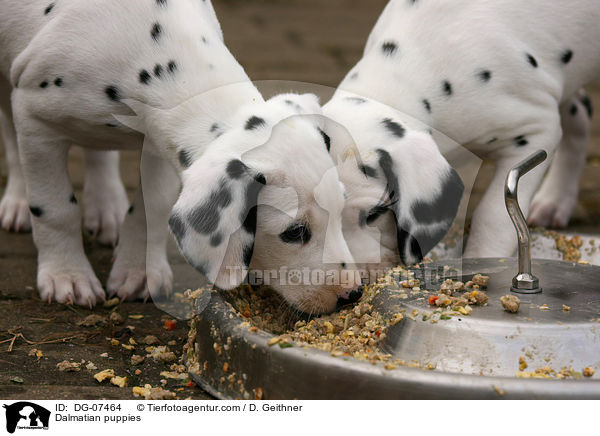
(314, 41)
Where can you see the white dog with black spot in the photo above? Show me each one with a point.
(74, 69)
(500, 78)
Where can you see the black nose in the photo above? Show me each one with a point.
(353, 297)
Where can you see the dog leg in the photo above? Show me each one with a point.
(105, 201)
(553, 204)
(492, 232)
(64, 273)
(14, 211)
(141, 268)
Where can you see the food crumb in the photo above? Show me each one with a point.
(544, 307)
(137, 359)
(103, 375)
(151, 340)
(119, 381)
(566, 308)
(588, 371)
(115, 318)
(68, 366)
(92, 320)
(38, 354)
(511, 303)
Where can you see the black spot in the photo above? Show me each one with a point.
(567, 56)
(204, 40)
(156, 31)
(49, 9)
(249, 213)
(58, 81)
(236, 169)
(375, 213)
(254, 122)
(177, 227)
(184, 158)
(356, 100)
(110, 125)
(36, 211)
(326, 139)
(216, 239)
(353, 76)
(113, 93)
(158, 69)
(367, 170)
(443, 207)
(427, 105)
(214, 128)
(531, 60)
(172, 66)
(587, 103)
(389, 48)
(205, 218)
(130, 210)
(395, 128)
(492, 140)
(247, 256)
(43, 84)
(484, 75)
(521, 141)
(296, 233)
(573, 110)
(161, 2)
(73, 199)
(145, 77)
(447, 88)
(387, 166)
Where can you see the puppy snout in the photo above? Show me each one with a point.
(350, 296)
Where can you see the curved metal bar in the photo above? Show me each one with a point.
(524, 282)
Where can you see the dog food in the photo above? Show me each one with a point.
(511, 303)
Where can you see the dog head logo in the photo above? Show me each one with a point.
(26, 415)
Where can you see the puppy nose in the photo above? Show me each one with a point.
(349, 297)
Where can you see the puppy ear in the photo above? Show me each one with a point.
(423, 191)
(214, 219)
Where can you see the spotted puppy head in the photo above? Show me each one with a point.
(266, 197)
(402, 193)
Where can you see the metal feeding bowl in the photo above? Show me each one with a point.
(484, 354)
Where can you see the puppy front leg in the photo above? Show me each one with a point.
(492, 231)
(64, 273)
(553, 204)
(14, 211)
(105, 201)
(141, 268)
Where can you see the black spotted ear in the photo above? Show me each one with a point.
(214, 219)
(424, 192)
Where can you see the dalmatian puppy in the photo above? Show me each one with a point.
(500, 78)
(98, 73)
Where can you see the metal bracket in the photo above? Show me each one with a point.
(524, 282)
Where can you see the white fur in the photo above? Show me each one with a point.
(438, 41)
(93, 46)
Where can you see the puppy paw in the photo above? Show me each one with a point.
(552, 212)
(69, 285)
(14, 213)
(104, 212)
(140, 281)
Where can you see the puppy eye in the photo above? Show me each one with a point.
(297, 233)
